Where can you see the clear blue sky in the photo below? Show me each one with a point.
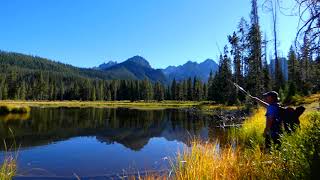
(86, 33)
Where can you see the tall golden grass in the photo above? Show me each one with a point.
(251, 132)
(8, 168)
(293, 160)
(207, 161)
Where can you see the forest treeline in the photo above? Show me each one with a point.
(243, 61)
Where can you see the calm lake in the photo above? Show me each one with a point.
(101, 141)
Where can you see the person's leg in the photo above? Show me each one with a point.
(276, 140)
(267, 143)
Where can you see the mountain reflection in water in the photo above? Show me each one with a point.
(129, 127)
(45, 128)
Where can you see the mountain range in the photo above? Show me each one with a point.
(139, 68)
(191, 69)
(134, 68)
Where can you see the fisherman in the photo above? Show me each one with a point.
(277, 117)
(273, 128)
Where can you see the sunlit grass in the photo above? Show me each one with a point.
(107, 104)
(207, 161)
(297, 158)
(8, 168)
(251, 132)
(204, 106)
(298, 100)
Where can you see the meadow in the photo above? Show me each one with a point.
(205, 106)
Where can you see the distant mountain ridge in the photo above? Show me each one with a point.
(134, 68)
(106, 65)
(191, 69)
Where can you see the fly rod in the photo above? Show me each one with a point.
(249, 95)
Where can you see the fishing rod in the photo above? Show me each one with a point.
(240, 88)
(248, 94)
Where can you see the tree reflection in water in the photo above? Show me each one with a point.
(129, 127)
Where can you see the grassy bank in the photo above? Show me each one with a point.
(298, 100)
(105, 104)
(297, 158)
(201, 105)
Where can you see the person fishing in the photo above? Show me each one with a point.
(278, 118)
(273, 128)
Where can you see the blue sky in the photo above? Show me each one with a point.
(86, 33)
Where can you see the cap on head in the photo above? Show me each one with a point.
(273, 94)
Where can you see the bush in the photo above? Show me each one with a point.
(300, 152)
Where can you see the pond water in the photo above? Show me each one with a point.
(101, 141)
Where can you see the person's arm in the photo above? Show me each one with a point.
(261, 102)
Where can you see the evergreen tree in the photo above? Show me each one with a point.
(147, 90)
(61, 94)
(174, 90)
(5, 92)
(266, 76)
(185, 90)
(210, 86)
(109, 95)
(197, 89)
(243, 31)
(236, 52)
(205, 92)
(159, 92)
(224, 91)
(189, 89)
(293, 66)
(93, 94)
(23, 91)
(254, 77)
(101, 91)
(305, 68)
(168, 93)
(267, 81)
(12, 85)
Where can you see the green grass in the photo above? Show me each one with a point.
(110, 104)
(298, 100)
(201, 105)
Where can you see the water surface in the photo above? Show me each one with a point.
(101, 141)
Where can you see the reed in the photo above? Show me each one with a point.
(8, 168)
(251, 132)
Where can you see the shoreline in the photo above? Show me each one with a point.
(201, 105)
